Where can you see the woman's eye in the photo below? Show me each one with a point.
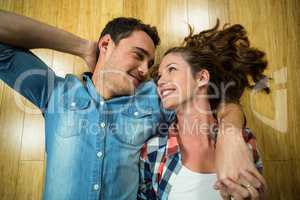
(171, 69)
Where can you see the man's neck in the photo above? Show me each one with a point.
(101, 87)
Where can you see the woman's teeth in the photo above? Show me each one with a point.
(166, 93)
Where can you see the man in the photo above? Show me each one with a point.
(95, 128)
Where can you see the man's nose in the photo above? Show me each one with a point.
(143, 69)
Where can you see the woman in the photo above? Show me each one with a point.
(210, 68)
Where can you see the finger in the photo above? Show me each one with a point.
(247, 178)
(217, 185)
(253, 193)
(218, 182)
(236, 190)
(236, 196)
(225, 195)
(256, 173)
(251, 184)
(222, 190)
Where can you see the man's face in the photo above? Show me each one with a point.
(126, 64)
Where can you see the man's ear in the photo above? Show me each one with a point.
(202, 77)
(104, 43)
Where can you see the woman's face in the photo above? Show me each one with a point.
(176, 84)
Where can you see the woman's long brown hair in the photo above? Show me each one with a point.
(229, 58)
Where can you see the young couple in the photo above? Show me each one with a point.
(96, 127)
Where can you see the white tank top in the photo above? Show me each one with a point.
(194, 186)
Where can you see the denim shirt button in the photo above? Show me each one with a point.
(73, 104)
(102, 125)
(136, 113)
(101, 103)
(99, 154)
(96, 187)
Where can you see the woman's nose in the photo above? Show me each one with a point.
(161, 80)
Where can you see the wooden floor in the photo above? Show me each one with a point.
(273, 26)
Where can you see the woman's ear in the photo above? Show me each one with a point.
(202, 77)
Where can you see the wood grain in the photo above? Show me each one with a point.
(30, 180)
(11, 129)
(273, 26)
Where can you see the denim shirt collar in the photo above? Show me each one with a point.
(91, 88)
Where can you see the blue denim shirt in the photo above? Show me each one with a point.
(92, 145)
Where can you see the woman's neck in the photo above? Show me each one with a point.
(194, 128)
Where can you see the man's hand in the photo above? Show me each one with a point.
(237, 174)
(89, 56)
(28, 33)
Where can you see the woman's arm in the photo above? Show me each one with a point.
(27, 33)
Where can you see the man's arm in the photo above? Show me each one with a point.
(27, 33)
(233, 158)
(22, 70)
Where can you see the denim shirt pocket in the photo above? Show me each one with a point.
(73, 117)
(136, 125)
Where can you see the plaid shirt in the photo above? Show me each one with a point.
(161, 161)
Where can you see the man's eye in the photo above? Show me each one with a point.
(139, 56)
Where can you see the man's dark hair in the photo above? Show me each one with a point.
(122, 27)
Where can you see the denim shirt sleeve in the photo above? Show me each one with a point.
(27, 74)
